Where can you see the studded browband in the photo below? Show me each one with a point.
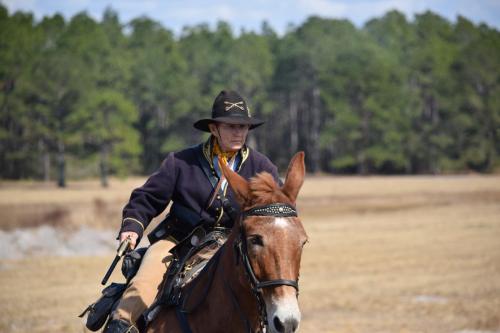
(275, 210)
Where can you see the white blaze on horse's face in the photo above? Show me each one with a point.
(281, 222)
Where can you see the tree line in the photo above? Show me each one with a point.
(85, 97)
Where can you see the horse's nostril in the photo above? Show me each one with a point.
(279, 326)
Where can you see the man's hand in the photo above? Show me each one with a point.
(133, 238)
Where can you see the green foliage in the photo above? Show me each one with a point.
(396, 96)
(105, 126)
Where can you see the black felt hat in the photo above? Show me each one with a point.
(229, 107)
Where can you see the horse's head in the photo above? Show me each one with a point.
(270, 242)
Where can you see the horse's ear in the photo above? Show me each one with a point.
(240, 185)
(294, 176)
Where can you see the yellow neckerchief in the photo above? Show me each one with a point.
(223, 156)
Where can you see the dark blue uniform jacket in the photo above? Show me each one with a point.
(181, 179)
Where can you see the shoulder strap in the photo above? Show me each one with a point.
(207, 170)
(205, 166)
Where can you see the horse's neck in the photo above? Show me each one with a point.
(229, 300)
(235, 284)
(232, 271)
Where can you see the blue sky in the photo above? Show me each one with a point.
(175, 14)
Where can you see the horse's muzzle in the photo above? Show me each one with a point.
(283, 315)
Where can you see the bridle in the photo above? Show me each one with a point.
(273, 210)
(240, 246)
(241, 251)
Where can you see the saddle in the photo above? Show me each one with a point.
(202, 254)
(188, 260)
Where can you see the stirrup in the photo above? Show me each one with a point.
(120, 326)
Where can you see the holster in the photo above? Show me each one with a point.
(132, 261)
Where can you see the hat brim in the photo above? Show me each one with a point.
(202, 124)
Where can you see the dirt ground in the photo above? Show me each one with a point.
(386, 254)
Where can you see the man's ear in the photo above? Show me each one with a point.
(213, 129)
(294, 176)
(240, 185)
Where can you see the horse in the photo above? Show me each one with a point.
(251, 282)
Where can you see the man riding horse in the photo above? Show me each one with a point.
(192, 180)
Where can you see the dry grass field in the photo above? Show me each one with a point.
(386, 254)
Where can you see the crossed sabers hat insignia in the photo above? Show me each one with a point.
(230, 105)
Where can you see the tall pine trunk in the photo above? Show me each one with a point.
(61, 164)
(293, 122)
(363, 162)
(46, 166)
(45, 159)
(314, 147)
(104, 165)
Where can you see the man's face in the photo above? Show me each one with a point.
(230, 137)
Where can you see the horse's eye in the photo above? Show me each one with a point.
(256, 240)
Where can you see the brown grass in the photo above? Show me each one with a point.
(377, 245)
(28, 204)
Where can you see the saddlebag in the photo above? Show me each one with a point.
(99, 311)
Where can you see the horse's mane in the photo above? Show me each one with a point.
(265, 190)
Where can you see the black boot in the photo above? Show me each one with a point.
(120, 326)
